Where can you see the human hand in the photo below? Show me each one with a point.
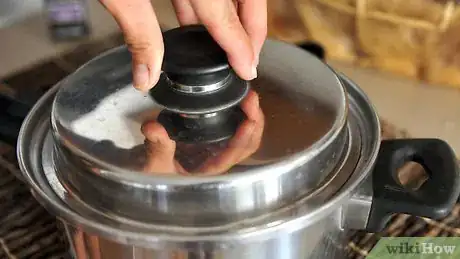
(238, 26)
(161, 150)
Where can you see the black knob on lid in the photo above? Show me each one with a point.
(198, 89)
(192, 57)
(197, 78)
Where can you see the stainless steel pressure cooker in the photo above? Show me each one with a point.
(207, 165)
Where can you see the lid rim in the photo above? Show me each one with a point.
(163, 200)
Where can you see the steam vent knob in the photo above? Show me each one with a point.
(198, 90)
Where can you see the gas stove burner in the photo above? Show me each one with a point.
(198, 89)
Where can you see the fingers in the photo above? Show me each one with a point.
(184, 12)
(94, 247)
(251, 107)
(230, 156)
(221, 19)
(79, 244)
(253, 16)
(142, 34)
(159, 149)
(244, 143)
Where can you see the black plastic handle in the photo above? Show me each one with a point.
(12, 114)
(193, 57)
(434, 199)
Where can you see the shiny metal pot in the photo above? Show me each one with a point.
(304, 166)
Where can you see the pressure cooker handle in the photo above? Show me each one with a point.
(434, 199)
(12, 114)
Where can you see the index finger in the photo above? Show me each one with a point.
(159, 149)
(232, 154)
(142, 34)
(253, 15)
(221, 19)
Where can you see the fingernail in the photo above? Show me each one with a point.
(254, 71)
(141, 76)
(154, 78)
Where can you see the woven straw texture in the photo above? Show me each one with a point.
(414, 38)
(28, 231)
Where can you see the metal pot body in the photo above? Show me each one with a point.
(323, 240)
(323, 236)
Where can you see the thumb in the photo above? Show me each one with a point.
(143, 37)
(159, 149)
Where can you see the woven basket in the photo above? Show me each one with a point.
(284, 23)
(415, 38)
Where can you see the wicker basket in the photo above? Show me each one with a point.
(415, 38)
(284, 23)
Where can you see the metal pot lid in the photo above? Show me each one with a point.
(287, 125)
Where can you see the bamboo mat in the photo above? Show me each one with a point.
(28, 231)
